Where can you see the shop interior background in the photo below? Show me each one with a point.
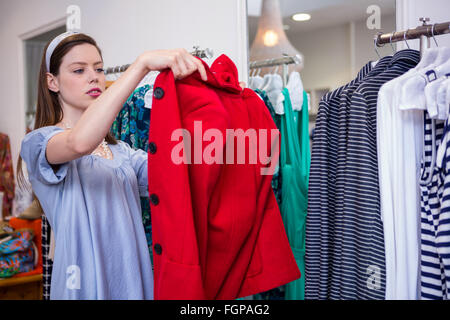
(335, 43)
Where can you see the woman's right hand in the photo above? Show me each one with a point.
(181, 62)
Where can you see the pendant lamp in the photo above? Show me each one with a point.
(271, 41)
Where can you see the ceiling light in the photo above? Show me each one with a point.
(301, 17)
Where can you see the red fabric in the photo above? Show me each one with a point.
(35, 225)
(219, 226)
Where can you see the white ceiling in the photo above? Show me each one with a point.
(324, 13)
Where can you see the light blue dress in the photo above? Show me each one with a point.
(93, 207)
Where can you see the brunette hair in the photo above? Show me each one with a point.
(48, 110)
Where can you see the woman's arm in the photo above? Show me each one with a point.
(96, 121)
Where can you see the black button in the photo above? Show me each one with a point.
(154, 199)
(152, 147)
(158, 93)
(158, 249)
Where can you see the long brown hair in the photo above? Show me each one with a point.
(48, 110)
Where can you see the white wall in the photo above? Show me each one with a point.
(409, 12)
(328, 52)
(123, 30)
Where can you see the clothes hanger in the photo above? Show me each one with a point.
(375, 44)
(250, 78)
(271, 78)
(390, 41)
(404, 38)
(267, 80)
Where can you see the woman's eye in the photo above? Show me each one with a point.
(79, 71)
(100, 70)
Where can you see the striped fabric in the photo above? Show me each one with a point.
(321, 195)
(432, 276)
(47, 264)
(443, 230)
(345, 243)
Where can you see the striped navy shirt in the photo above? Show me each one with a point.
(443, 229)
(345, 209)
(432, 274)
(321, 194)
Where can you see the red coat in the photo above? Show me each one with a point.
(217, 229)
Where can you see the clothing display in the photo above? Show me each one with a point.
(319, 253)
(229, 263)
(47, 263)
(412, 179)
(357, 260)
(310, 166)
(294, 167)
(91, 246)
(294, 163)
(6, 175)
(131, 125)
(17, 253)
(442, 234)
(35, 225)
(433, 284)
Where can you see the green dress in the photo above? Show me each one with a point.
(294, 166)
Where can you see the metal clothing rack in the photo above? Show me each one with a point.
(200, 53)
(284, 61)
(423, 32)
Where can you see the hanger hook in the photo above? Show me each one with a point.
(276, 69)
(432, 34)
(390, 41)
(404, 38)
(375, 40)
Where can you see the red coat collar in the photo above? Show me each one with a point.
(222, 74)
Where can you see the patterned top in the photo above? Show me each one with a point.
(6, 175)
(132, 125)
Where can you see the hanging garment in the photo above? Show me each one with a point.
(277, 293)
(47, 264)
(355, 220)
(101, 250)
(132, 125)
(277, 177)
(322, 195)
(363, 239)
(442, 100)
(433, 284)
(217, 230)
(400, 147)
(349, 125)
(414, 98)
(6, 175)
(443, 227)
(273, 86)
(294, 166)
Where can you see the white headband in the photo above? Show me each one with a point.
(51, 47)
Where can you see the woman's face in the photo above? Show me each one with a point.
(80, 72)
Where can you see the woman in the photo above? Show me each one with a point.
(87, 182)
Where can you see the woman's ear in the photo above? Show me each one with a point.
(52, 83)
